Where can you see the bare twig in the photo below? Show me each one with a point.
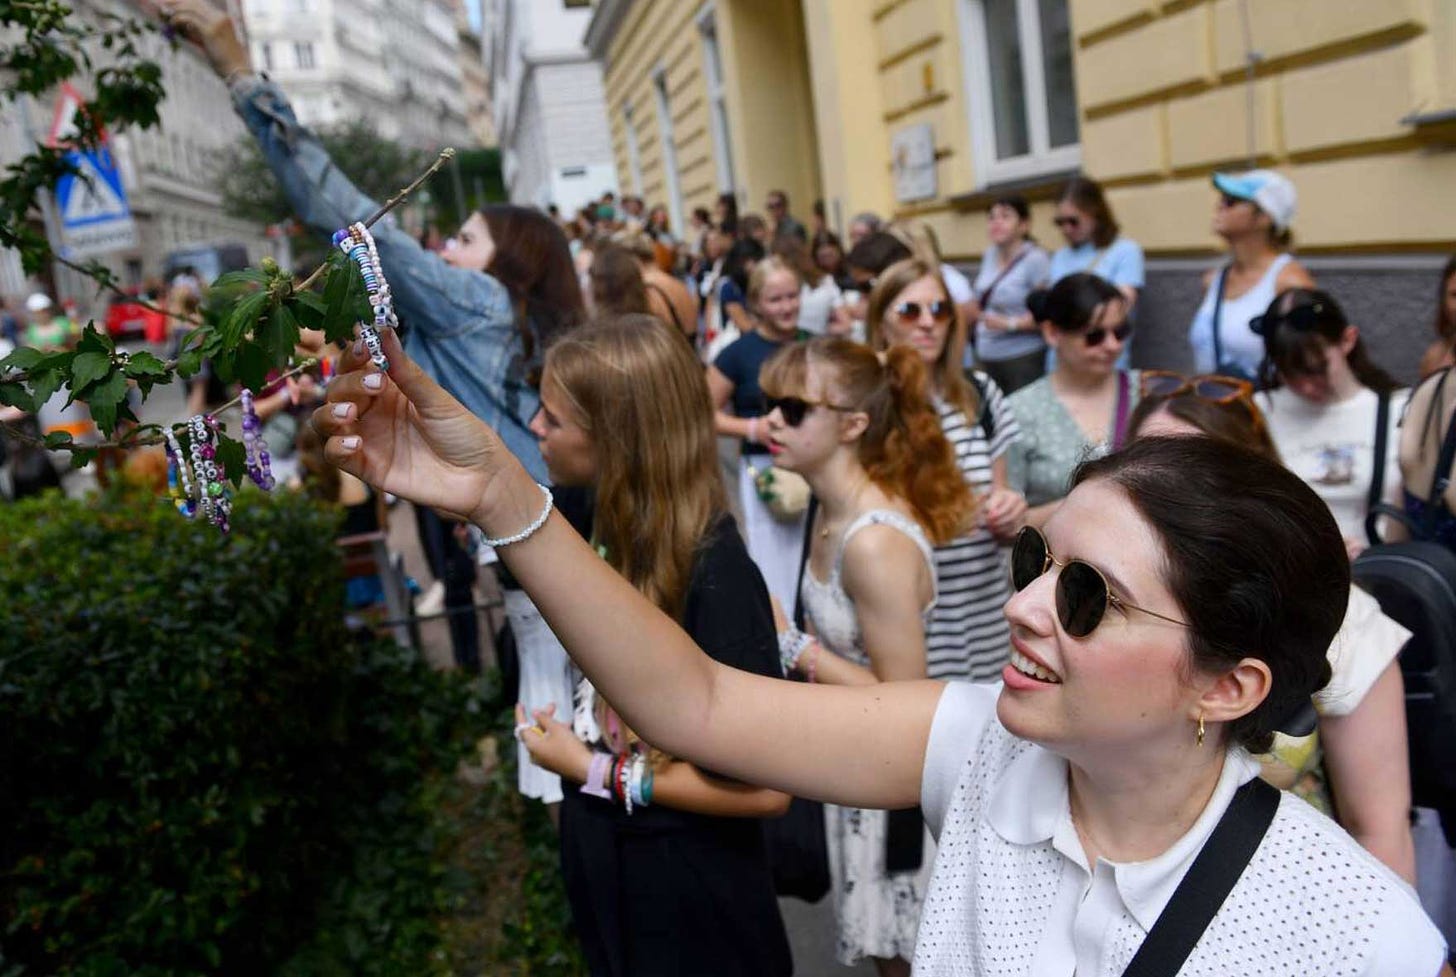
(118, 290)
(446, 154)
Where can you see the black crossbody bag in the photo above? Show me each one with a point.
(1209, 881)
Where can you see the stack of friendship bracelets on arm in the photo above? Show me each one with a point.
(626, 780)
(356, 242)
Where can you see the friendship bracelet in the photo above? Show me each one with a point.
(596, 775)
(792, 643)
(812, 671)
(530, 530)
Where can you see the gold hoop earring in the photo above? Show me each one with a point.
(1200, 729)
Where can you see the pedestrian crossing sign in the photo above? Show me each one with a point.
(95, 217)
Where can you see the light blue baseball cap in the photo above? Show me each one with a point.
(1271, 192)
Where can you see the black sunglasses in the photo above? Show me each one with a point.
(1066, 221)
(909, 312)
(1094, 337)
(1229, 200)
(793, 409)
(1083, 593)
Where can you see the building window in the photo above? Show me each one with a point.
(303, 55)
(1023, 95)
(717, 101)
(669, 151)
(634, 150)
(267, 56)
(568, 4)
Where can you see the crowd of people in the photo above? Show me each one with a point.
(837, 522)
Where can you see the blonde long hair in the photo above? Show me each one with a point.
(946, 374)
(639, 392)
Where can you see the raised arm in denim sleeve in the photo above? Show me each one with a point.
(430, 294)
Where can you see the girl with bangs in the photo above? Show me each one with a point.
(665, 864)
(911, 308)
(861, 430)
(1326, 402)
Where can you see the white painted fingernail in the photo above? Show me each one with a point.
(341, 410)
(349, 443)
(374, 381)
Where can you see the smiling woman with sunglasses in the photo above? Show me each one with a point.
(1080, 409)
(861, 430)
(1069, 803)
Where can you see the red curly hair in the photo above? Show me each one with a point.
(903, 448)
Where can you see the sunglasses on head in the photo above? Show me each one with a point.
(1095, 336)
(1083, 593)
(794, 409)
(1066, 221)
(1301, 318)
(910, 312)
(1211, 387)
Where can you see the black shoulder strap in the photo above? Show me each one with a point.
(1209, 880)
(1441, 477)
(1377, 476)
(987, 422)
(1217, 316)
(798, 613)
(671, 309)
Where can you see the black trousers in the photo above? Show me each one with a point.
(453, 565)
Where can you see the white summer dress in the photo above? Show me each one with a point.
(877, 915)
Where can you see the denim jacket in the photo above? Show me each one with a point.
(462, 323)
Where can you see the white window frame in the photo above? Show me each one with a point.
(669, 149)
(1042, 159)
(717, 99)
(300, 49)
(634, 149)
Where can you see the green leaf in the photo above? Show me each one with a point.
(308, 308)
(105, 398)
(43, 384)
(15, 395)
(58, 439)
(80, 457)
(338, 322)
(248, 276)
(143, 364)
(22, 358)
(233, 458)
(243, 319)
(278, 334)
(251, 365)
(88, 368)
(95, 342)
(189, 363)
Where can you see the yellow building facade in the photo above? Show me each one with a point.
(931, 108)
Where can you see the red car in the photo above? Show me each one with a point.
(126, 319)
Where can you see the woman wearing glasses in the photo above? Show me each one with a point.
(1355, 768)
(1253, 213)
(1155, 643)
(910, 306)
(861, 430)
(1095, 242)
(1080, 408)
(1324, 407)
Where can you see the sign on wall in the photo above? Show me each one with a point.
(912, 152)
(95, 217)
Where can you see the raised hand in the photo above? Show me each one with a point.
(201, 22)
(404, 434)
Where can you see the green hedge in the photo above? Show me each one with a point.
(201, 772)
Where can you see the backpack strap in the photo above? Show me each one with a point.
(798, 612)
(984, 418)
(1377, 477)
(1209, 880)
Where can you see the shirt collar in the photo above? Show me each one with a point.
(1030, 805)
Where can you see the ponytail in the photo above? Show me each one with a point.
(910, 456)
(903, 449)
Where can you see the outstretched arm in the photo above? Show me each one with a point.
(862, 747)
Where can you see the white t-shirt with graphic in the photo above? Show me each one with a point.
(1332, 447)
